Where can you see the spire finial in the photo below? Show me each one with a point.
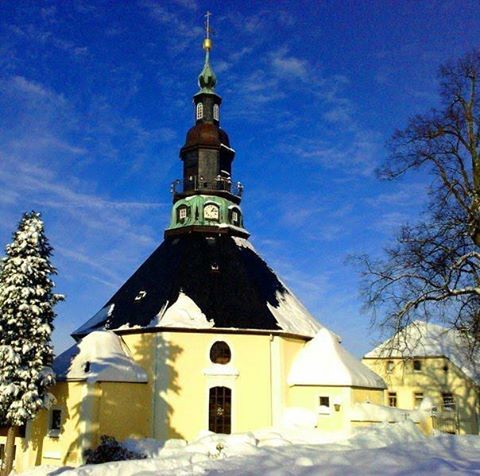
(207, 79)
(207, 42)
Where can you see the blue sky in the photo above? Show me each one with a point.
(95, 101)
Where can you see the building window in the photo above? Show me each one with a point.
(392, 399)
(448, 402)
(199, 111)
(216, 112)
(445, 368)
(235, 217)
(182, 213)
(389, 366)
(417, 399)
(54, 422)
(324, 401)
(220, 353)
(417, 365)
(324, 405)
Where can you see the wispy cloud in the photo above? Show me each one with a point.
(288, 66)
(93, 233)
(356, 154)
(174, 20)
(403, 195)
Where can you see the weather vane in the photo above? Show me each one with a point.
(207, 42)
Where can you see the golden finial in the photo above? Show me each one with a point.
(207, 42)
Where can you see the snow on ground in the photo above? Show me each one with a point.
(387, 449)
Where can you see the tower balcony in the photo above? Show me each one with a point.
(220, 185)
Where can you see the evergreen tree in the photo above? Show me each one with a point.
(26, 316)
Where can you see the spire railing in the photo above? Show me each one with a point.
(195, 184)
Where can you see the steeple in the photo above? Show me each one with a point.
(207, 79)
(206, 199)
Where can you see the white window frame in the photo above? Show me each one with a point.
(448, 402)
(182, 213)
(216, 112)
(416, 399)
(392, 397)
(199, 113)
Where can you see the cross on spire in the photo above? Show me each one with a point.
(207, 24)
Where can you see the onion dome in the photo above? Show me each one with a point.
(207, 79)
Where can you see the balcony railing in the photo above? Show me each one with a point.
(194, 184)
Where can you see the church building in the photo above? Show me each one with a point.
(203, 335)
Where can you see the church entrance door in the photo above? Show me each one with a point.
(220, 410)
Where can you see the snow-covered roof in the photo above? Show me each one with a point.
(323, 361)
(101, 356)
(197, 281)
(425, 339)
(183, 313)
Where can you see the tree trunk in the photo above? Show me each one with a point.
(9, 450)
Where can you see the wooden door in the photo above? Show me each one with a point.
(220, 410)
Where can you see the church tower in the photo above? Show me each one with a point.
(206, 199)
(206, 274)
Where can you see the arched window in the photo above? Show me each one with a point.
(220, 353)
(199, 111)
(216, 112)
(235, 216)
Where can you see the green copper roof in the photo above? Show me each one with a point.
(207, 79)
(195, 213)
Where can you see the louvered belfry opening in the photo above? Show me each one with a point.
(220, 410)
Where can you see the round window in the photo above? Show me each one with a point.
(220, 353)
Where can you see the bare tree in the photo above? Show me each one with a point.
(432, 269)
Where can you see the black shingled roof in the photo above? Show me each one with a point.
(231, 284)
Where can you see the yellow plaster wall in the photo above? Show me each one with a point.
(63, 449)
(362, 395)
(290, 348)
(88, 410)
(432, 381)
(40, 447)
(124, 410)
(179, 389)
(307, 396)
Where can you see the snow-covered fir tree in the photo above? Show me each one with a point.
(26, 315)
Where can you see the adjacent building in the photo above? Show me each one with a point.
(429, 365)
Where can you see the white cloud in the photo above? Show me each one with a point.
(288, 66)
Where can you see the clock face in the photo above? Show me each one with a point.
(210, 212)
